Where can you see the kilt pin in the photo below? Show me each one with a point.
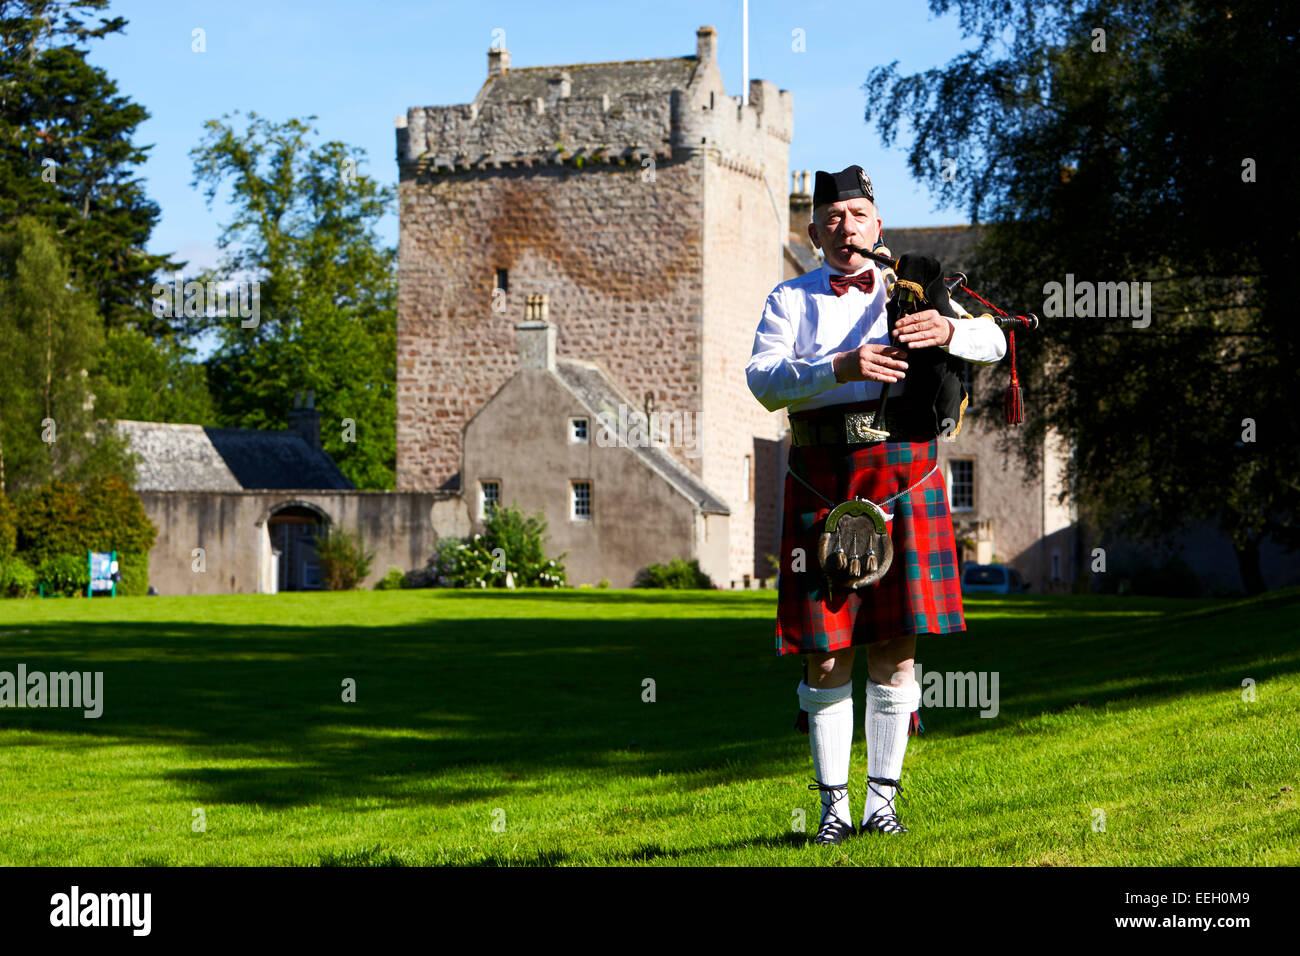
(920, 594)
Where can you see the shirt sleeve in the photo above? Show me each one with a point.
(974, 338)
(775, 375)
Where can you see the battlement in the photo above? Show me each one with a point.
(583, 113)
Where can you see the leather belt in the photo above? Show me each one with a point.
(843, 428)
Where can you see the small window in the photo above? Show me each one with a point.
(1056, 566)
(968, 379)
(748, 477)
(489, 497)
(961, 484)
(578, 431)
(580, 501)
(503, 280)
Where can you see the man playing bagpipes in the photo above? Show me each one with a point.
(867, 553)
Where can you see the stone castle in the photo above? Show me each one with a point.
(650, 208)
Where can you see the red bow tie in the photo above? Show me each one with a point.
(864, 281)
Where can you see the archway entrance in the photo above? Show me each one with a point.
(293, 530)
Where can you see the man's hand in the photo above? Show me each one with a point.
(870, 363)
(922, 329)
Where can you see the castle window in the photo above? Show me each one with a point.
(580, 501)
(578, 431)
(503, 280)
(489, 497)
(961, 484)
(748, 478)
(968, 379)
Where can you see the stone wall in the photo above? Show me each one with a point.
(231, 527)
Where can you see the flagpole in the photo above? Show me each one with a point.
(744, 54)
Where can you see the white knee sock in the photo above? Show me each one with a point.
(889, 710)
(830, 734)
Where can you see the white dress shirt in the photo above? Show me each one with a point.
(805, 324)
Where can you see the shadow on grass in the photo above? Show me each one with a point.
(450, 712)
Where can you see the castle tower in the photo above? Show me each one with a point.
(649, 207)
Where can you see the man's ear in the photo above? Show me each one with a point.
(812, 234)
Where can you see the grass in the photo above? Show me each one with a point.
(525, 710)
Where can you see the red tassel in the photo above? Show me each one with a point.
(1013, 403)
(914, 725)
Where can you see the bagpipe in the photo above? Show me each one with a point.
(915, 283)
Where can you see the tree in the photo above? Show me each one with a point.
(52, 421)
(57, 109)
(1135, 141)
(157, 379)
(304, 230)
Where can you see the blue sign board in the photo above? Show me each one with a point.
(103, 573)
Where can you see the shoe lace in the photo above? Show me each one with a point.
(885, 819)
(835, 792)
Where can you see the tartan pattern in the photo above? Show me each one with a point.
(920, 594)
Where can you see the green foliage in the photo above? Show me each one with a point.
(103, 514)
(65, 574)
(677, 574)
(156, 379)
(394, 580)
(511, 543)
(8, 528)
(58, 107)
(344, 560)
(17, 578)
(50, 336)
(1098, 165)
(304, 226)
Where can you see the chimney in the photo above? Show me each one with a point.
(800, 200)
(306, 421)
(498, 60)
(706, 45)
(536, 336)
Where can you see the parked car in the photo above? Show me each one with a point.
(992, 579)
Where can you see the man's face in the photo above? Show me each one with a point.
(851, 222)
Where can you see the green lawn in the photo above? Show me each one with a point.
(525, 709)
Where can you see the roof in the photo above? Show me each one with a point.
(173, 457)
(628, 77)
(799, 254)
(594, 389)
(951, 245)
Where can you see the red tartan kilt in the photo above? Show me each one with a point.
(920, 594)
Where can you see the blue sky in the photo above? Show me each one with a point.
(357, 65)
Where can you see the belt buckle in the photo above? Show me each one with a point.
(858, 429)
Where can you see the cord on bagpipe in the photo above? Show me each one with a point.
(1013, 403)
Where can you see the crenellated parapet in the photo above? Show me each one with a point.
(598, 113)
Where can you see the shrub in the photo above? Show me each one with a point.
(343, 559)
(17, 579)
(394, 580)
(677, 573)
(66, 574)
(104, 514)
(511, 543)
